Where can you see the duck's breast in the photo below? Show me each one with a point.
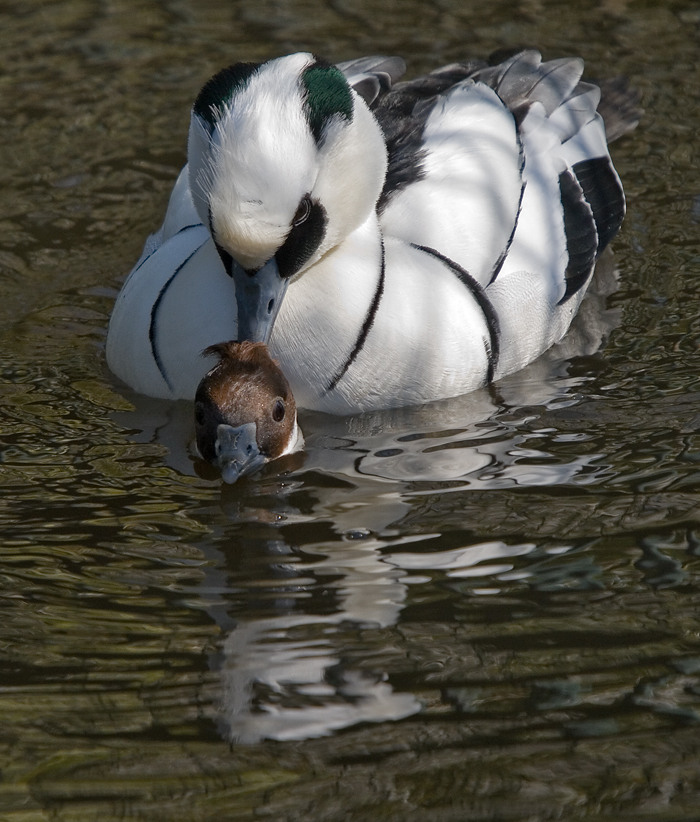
(175, 303)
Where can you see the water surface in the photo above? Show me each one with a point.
(486, 608)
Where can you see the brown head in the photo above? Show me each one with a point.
(245, 414)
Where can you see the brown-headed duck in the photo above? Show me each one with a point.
(244, 410)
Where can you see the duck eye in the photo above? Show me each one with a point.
(303, 211)
(278, 411)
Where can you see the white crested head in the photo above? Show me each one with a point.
(284, 160)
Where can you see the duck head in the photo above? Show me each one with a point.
(285, 160)
(245, 414)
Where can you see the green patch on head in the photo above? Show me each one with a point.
(328, 95)
(221, 89)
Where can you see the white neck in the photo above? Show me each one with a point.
(352, 169)
(310, 338)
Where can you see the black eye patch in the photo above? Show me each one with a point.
(304, 238)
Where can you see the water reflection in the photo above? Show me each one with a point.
(290, 677)
(353, 629)
(292, 672)
(299, 662)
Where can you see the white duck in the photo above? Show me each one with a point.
(394, 244)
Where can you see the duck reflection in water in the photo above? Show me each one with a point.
(290, 673)
(316, 647)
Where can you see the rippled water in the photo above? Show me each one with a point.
(483, 609)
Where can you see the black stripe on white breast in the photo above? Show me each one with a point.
(580, 232)
(366, 325)
(492, 345)
(153, 325)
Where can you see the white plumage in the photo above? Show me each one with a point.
(400, 243)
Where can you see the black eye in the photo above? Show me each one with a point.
(199, 413)
(303, 211)
(278, 411)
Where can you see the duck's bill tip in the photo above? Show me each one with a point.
(237, 452)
